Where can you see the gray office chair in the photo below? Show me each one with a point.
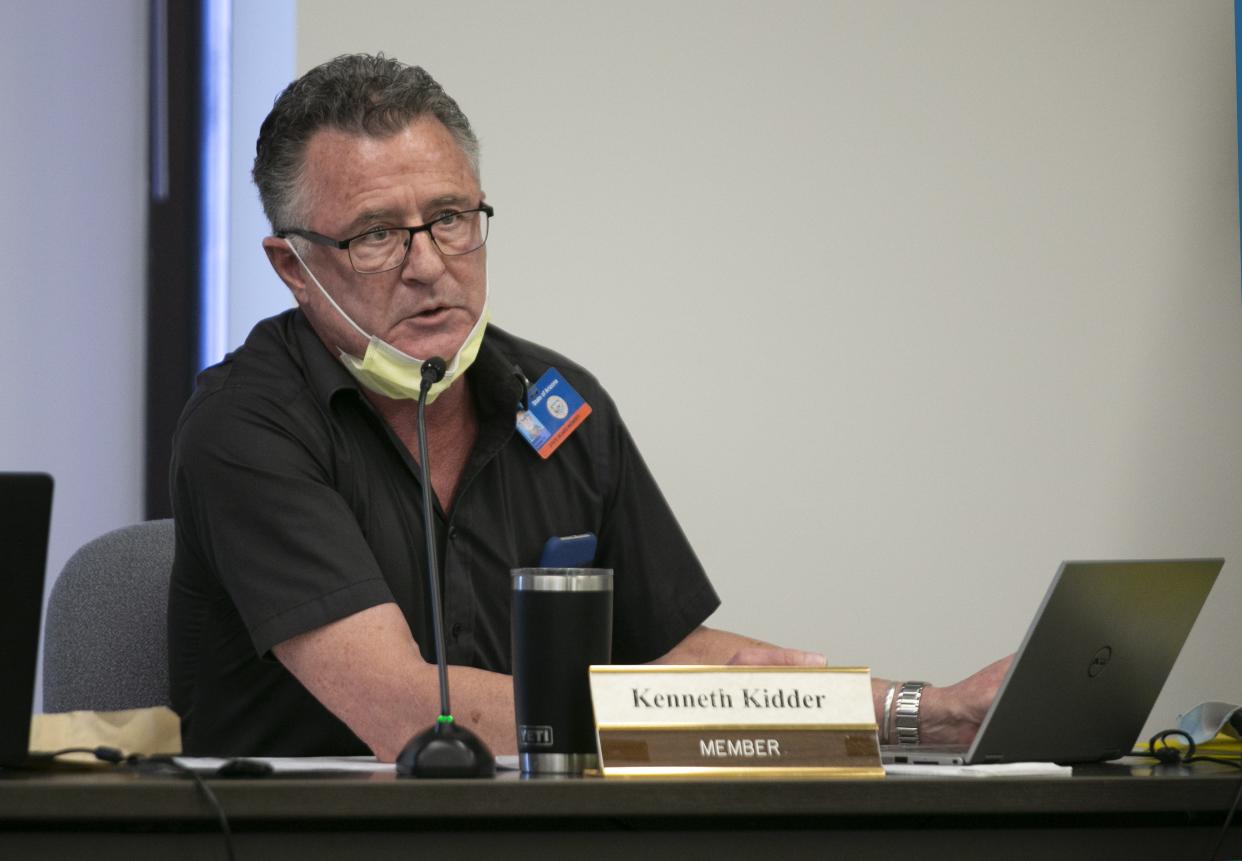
(106, 636)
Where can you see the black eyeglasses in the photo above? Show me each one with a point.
(385, 248)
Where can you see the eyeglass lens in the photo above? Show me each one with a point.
(381, 250)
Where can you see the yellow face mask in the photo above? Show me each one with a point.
(388, 371)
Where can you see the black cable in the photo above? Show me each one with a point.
(114, 756)
(216, 806)
(1167, 754)
(102, 753)
(1235, 762)
(1224, 830)
(136, 759)
(1159, 748)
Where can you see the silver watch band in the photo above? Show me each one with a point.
(906, 712)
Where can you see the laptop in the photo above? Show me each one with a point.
(25, 515)
(1089, 670)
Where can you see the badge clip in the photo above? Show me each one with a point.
(551, 411)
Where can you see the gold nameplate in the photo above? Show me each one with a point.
(735, 721)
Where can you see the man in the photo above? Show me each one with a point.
(298, 616)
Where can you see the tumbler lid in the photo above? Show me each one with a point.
(562, 579)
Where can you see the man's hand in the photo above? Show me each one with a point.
(952, 715)
(712, 647)
(949, 715)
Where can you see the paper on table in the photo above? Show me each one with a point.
(294, 764)
(316, 764)
(1000, 769)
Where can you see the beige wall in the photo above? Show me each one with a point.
(904, 302)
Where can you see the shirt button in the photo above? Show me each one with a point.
(452, 533)
(457, 629)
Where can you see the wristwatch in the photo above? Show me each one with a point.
(906, 712)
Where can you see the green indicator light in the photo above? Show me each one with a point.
(444, 719)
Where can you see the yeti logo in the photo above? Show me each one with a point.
(535, 736)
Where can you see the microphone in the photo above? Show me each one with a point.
(446, 749)
(433, 372)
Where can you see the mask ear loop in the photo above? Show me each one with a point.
(325, 293)
(452, 369)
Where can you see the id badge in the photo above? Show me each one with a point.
(555, 411)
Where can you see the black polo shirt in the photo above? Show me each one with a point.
(296, 505)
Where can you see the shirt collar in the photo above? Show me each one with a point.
(324, 372)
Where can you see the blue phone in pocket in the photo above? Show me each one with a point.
(570, 551)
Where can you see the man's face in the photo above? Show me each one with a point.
(357, 183)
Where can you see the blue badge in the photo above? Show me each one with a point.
(555, 411)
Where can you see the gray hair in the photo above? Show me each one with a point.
(354, 93)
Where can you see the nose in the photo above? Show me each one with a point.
(423, 261)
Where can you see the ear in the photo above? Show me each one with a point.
(287, 267)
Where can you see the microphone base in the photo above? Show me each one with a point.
(446, 750)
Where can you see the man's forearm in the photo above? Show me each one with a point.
(482, 701)
(367, 670)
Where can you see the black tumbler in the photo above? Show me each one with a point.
(561, 624)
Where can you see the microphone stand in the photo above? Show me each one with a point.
(446, 749)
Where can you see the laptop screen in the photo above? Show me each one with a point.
(25, 515)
